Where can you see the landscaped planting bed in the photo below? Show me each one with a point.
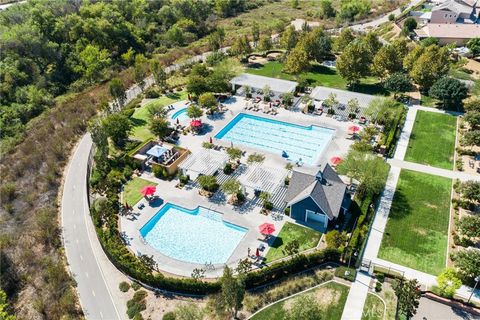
(417, 229)
(317, 76)
(131, 193)
(373, 309)
(307, 238)
(432, 141)
(331, 296)
(140, 118)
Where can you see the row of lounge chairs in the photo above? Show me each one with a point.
(266, 108)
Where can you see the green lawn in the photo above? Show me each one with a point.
(417, 228)
(432, 141)
(331, 296)
(373, 309)
(140, 119)
(308, 238)
(318, 76)
(131, 192)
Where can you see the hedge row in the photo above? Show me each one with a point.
(394, 133)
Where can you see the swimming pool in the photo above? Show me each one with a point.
(181, 115)
(196, 236)
(305, 143)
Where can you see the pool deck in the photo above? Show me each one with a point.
(248, 216)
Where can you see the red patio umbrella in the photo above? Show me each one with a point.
(335, 160)
(353, 128)
(257, 254)
(148, 190)
(196, 123)
(211, 140)
(266, 228)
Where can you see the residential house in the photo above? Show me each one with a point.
(317, 195)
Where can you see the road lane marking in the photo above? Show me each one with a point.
(101, 314)
(93, 292)
(86, 274)
(76, 240)
(81, 257)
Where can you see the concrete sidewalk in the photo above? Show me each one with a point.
(433, 170)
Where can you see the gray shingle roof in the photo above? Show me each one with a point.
(328, 194)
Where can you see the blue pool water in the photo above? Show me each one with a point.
(196, 236)
(181, 115)
(299, 142)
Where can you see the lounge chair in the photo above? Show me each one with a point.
(266, 109)
(273, 111)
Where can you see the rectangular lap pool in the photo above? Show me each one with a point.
(295, 142)
(196, 236)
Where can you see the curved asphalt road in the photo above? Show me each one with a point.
(80, 240)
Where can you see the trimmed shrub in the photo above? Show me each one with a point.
(136, 286)
(378, 286)
(346, 273)
(169, 316)
(124, 286)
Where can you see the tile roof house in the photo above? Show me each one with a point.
(319, 195)
(456, 11)
(449, 33)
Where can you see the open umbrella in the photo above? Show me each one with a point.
(266, 228)
(211, 140)
(353, 129)
(196, 123)
(335, 160)
(148, 190)
(257, 253)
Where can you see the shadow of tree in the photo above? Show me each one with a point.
(136, 122)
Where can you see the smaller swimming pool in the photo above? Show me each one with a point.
(181, 115)
(197, 236)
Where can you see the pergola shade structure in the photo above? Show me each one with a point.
(343, 96)
(259, 82)
(157, 151)
(265, 179)
(205, 162)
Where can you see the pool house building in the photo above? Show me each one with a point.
(317, 195)
(257, 83)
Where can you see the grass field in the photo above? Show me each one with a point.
(131, 192)
(417, 228)
(308, 238)
(373, 309)
(140, 119)
(318, 76)
(331, 296)
(432, 141)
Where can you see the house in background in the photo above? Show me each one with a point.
(317, 194)
(453, 21)
(449, 33)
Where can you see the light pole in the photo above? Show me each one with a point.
(349, 260)
(477, 279)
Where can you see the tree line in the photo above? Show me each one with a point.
(51, 47)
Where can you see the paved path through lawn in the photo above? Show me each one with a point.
(359, 290)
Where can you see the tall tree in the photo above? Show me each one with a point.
(450, 92)
(159, 74)
(93, 61)
(398, 82)
(427, 65)
(160, 127)
(117, 91)
(343, 40)
(117, 126)
(233, 291)
(140, 70)
(317, 44)
(353, 63)
(408, 294)
(297, 60)
(289, 38)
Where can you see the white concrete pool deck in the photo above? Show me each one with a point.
(188, 197)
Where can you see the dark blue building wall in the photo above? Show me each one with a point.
(297, 210)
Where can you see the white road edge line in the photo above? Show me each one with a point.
(86, 216)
